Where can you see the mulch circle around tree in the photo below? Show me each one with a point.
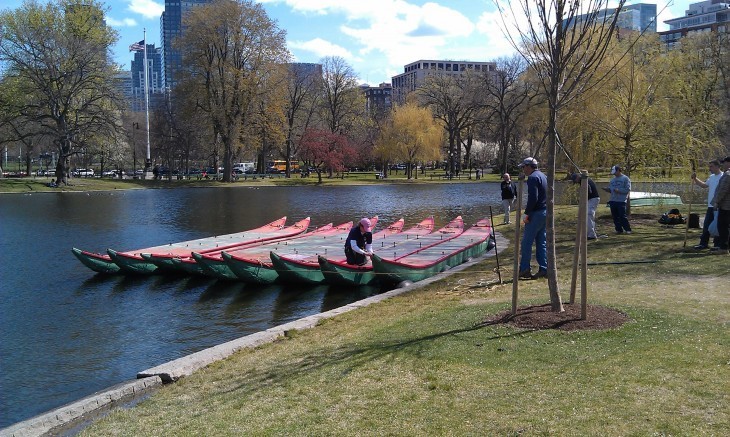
(542, 317)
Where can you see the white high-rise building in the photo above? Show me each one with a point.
(415, 74)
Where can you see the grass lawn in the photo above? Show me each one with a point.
(424, 363)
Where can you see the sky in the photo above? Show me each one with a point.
(376, 37)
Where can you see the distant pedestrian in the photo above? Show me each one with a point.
(711, 183)
(509, 194)
(721, 203)
(594, 198)
(619, 187)
(534, 218)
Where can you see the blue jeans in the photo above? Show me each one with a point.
(620, 221)
(534, 232)
(705, 238)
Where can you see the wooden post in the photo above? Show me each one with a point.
(689, 211)
(518, 224)
(496, 252)
(577, 246)
(584, 245)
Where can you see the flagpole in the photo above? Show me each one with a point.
(148, 163)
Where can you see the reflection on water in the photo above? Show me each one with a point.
(67, 332)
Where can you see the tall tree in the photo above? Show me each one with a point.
(456, 101)
(230, 46)
(564, 41)
(57, 54)
(694, 98)
(625, 106)
(303, 86)
(342, 101)
(507, 100)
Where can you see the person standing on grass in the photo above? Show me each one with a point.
(619, 187)
(711, 183)
(594, 198)
(721, 203)
(509, 193)
(534, 218)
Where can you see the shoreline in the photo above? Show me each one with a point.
(79, 414)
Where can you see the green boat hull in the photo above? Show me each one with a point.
(215, 268)
(249, 272)
(295, 272)
(188, 267)
(163, 262)
(131, 264)
(341, 275)
(395, 273)
(95, 261)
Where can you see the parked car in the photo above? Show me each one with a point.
(84, 172)
(110, 174)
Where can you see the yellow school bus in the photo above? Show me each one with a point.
(280, 166)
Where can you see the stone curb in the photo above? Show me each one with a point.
(74, 413)
(185, 366)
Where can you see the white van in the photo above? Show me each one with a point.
(245, 167)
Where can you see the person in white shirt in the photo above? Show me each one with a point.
(711, 183)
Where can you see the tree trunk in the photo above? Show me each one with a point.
(556, 303)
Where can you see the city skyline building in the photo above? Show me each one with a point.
(170, 28)
(155, 88)
(378, 99)
(705, 16)
(640, 17)
(415, 74)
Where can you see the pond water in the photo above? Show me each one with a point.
(67, 332)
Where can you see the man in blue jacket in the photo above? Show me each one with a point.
(534, 218)
(619, 187)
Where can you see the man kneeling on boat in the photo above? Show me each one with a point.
(359, 243)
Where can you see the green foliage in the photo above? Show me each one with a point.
(58, 69)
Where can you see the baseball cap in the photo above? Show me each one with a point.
(528, 161)
(615, 168)
(365, 222)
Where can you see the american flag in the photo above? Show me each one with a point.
(137, 47)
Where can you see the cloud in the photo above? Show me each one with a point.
(124, 22)
(146, 8)
(321, 48)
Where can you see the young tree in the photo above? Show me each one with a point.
(564, 42)
(57, 56)
(324, 150)
(412, 137)
(230, 47)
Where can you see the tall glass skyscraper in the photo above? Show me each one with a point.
(154, 73)
(640, 17)
(170, 28)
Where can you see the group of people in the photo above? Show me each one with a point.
(535, 213)
(718, 199)
(358, 245)
(718, 203)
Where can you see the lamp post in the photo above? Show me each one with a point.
(135, 127)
